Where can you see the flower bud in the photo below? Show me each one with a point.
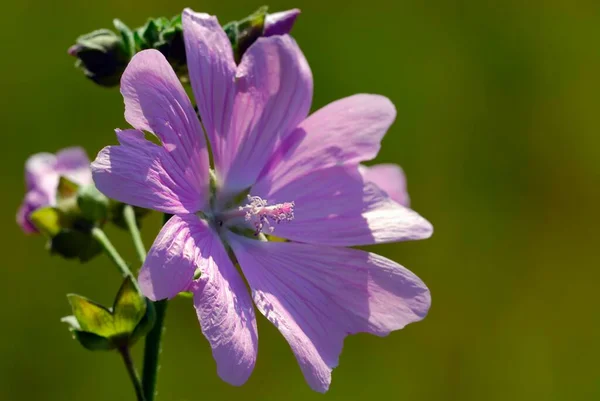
(102, 55)
(245, 32)
(101, 329)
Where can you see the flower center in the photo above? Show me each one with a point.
(262, 216)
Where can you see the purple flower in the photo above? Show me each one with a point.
(42, 172)
(275, 171)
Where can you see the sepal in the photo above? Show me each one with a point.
(96, 327)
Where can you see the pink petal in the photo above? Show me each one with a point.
(226, 313)
(74, 164)
(281, 22)
(212, 75)
(221, 298)
(345, 132)
(143, 174)
(317, 295)
(335, 206)
(41, 176)
(155, 101)
(33, 201)
(390, 178)
(246, 111)
(172, 259)
(274, 93)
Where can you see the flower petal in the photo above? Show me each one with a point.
(143, 174)
(212, 75)
(317, 295)
(336, 206)
(281, 22)
(273, 95)
(226, 313)
(345, 132)
(246, 111)
(40, 174)
(33, 200)
(172, 259)
(155, 101)
(74, 164)
(390, 178)
(221, 298)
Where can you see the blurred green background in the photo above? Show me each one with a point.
(498, 131)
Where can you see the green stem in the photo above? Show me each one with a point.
(129, 215)
(153, 344)
(152, 351)
(110, 250)
(124, 351)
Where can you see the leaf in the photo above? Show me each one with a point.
(47, 220)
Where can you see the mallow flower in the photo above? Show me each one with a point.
(42, 174)
(276, 172)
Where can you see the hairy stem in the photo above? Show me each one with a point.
(135, 380)
(129, 215)
(110, 250)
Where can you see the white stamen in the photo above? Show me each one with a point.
(264, 216)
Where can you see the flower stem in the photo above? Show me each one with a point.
(124, 351)
(110, 250)
(129, 215)
(152, 349)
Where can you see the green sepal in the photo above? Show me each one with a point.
(98, 328)
(66, 189)
(126, 36)
(72, 244)
(92, 204)
(249, 30)
(115, 214)
(47, 220)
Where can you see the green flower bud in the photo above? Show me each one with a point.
(103, 55)
(101, 329)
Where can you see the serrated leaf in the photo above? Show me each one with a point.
(47, 220)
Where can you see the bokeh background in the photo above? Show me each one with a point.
(498, 131)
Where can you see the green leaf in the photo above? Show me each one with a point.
(47, 220)
(129, 307)
(92, 203)
(92, 317)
